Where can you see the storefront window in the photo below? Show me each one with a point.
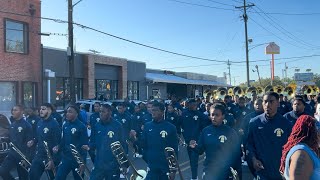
(7, 97)
(133, 90)
(63, 91)
(29, 94)
(106, 89)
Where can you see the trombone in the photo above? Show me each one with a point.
(49, 157)
(124, 162)
(173, 163)
(24, 163)
(234, 173)
(80, 162)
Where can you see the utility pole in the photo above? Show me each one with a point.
(245, 18)
(229, 71)
(71, 53)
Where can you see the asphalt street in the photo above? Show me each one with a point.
(183, 163)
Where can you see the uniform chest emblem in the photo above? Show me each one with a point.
(110, 134)
(128, 108)
(195, 117)
(115, 115)
(175, 109)
(33, 121)
(283, 105)
(98, 119)
(123, 120)
(278, 132)
(223, 138)
(73, 130)
(225, 121)
(138, 117)
(163, 134)
(45, 130)
(229, 108)
(244, 113)
(55, 119)
(172, 118)
(20, 129)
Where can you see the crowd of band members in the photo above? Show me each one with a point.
(228, 131)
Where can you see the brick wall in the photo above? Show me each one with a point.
(22, 67)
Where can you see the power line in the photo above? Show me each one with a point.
(36, 32)
(287, 32)
(200, 5)
(275, 34)
(192, 66)
(221, 3)
(124, 39)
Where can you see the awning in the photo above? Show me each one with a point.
(169, 78)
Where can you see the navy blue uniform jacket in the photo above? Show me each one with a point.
(101, 138)
(156, 136)
(73, 133)
(20, 133)
(222, 147)
(191, 122)
(292, 116)
(126, 122)
(265, 140)
(94, 118)
(48, 130)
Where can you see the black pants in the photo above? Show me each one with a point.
(37, 169)
(194, 159)
(8, 164)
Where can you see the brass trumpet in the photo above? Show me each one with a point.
(24, 163)
(124, 162)
(234, 173)
(81, 163)
(172, 163)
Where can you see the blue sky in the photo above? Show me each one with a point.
(198, 29)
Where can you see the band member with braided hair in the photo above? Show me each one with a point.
(73, 132)
(300, 155)
(49, 132)
(20, 133)
(156, 136)
(105, 132)
(268, 132)
(221, 145)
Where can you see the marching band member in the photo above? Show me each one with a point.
(156, 136)
(284, 106)
(105, 132)
(33, 119)
(268, 132)
(48, 131)
(73, 132)
(221, 145)
(20, 133)
(258, 109)
(192, 122)
(298, 106)
(94, 119)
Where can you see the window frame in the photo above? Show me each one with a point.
(25, 36)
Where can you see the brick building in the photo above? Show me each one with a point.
(20, 53)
